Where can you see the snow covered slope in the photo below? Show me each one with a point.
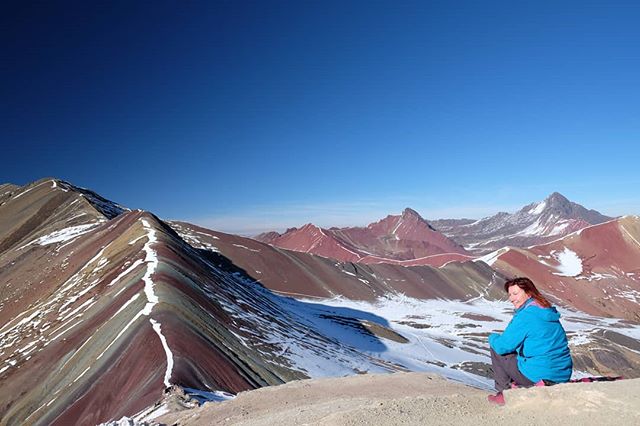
(596, 269)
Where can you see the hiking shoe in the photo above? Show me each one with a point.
(497, 399)
(514, 385)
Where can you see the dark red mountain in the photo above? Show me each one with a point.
(399, 239)
(596, 269)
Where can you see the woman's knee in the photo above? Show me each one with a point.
(497, 355)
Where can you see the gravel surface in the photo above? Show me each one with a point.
(418, 399)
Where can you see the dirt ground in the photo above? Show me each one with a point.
(418, 399)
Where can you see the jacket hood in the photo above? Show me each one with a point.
(546, 314)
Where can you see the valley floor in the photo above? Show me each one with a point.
(418, 398)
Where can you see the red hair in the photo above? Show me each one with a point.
(527, 285)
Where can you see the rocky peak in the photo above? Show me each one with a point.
(558, 200)
(267, 237)
(555, 204)
(410, 213)
(309, 226)
(558, 205)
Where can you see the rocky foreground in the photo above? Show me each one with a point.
(418, 398)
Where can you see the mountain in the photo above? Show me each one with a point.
(310, 276)
(405, 239)
(425, 299)
(102, 311)
(50, 207)
(596, 269)
(100, 315)
(105, 312)
(535, 223)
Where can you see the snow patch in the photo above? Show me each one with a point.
(62, 235)
(167, 374)
(152, 261)
(245, 247)
(539, 208)
(30, 189)
(559, 228)
(125, 421)
(129, 269)
(205, 396)
(596, 277)
(570, 263)
(632, 295)
(492, 257)
(536, 228)
(393, 232)
(579, 338)
(127, 303)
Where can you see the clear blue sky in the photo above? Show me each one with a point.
(246, 116)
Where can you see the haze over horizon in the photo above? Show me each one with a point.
(245, 116)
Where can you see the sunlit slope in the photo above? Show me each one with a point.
(596, 269)
(307, 275)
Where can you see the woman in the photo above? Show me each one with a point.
(533, 348)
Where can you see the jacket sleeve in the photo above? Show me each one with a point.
(512, 337)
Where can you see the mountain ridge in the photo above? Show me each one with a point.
(99, 316)
(535, 223)
(417, 238)
(393, 239)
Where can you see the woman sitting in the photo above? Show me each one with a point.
(533, 348)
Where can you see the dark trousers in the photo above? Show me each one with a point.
(505, 371)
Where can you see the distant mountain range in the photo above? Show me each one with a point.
(535, 223)
(403, 239)
(408, 239)
(105, 312)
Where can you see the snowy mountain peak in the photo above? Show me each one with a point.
(559, 202)
(557, 207)
(535, 223)
(555, 202)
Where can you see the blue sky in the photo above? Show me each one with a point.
(246, 116)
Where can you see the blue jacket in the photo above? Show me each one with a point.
(536, 335)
